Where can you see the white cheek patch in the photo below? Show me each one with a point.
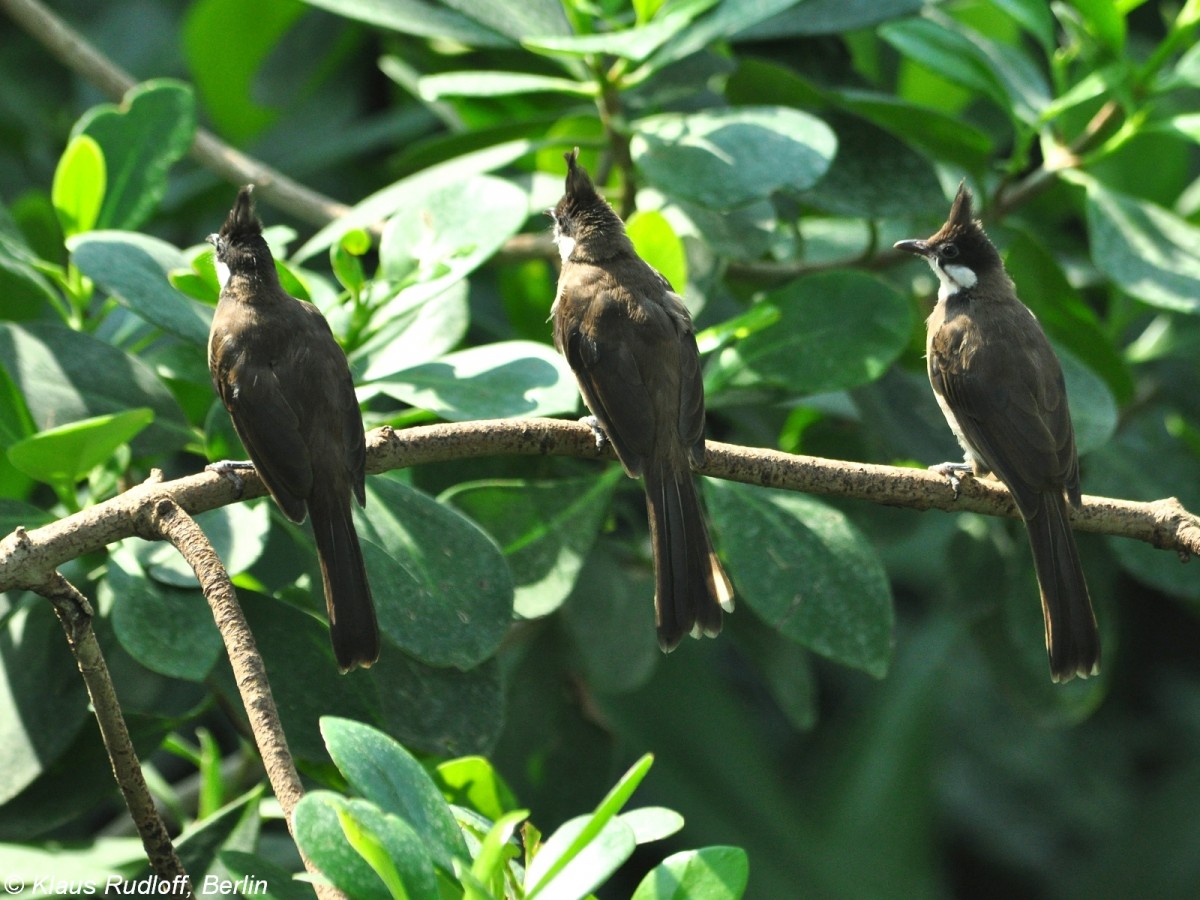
(565, 245)
(953, 278)
(963, 276)
(222, 273)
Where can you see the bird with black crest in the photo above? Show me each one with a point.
(628, 338)
(287, 386)
(1001, 389)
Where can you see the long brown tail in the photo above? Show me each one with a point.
(691, 588)
(1072, 641)
(352, 625)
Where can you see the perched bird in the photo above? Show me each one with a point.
(1001, 389)
(287, 386)
(628, 338)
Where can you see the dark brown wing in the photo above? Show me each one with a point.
(628, 338)
(1011, 406)
(691, 382)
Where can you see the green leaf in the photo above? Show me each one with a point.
(295, 647)
(319, 835)
(66, 376)
(825, 588)
(445, 234)
(27, 293)
(42, 701)
(728, 18)
(874, 175)
(516, 20)
(1145, 461)
(1068, 320)
(586, 850)
(744, 233)
(810, 350)
(1103, 22)
(710, 873)
(814, 17)
(79, 183)
(133, 268)
(496, 849)
(585, 869)
(1149, 252)
(737, 328)
(238, 534)
(18, 514)
(406, 194)
(226, 44)
(634, 44)
(101, 859)
(234, 826)
(443, 711)
(498, 84)
(167, 630)
(545, 530)
(473, 782)
(344, 260)
(610, 620)
(383, 772)
(15, 424)
(390, 847)
(493, 381)
(945, 52)
(941, 135)
(657, 243)
(414, 329)
(453, 590)
(652, 823)
(1035, 17)
(142, 138)
(1001, 72)
(67, 453)
(729, 158)
(417, 17)
(1093, 409)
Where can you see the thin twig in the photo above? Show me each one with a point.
(163, 518)
(71, 49)
(75, 614)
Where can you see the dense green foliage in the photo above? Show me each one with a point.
(877, 718)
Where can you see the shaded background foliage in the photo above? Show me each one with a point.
(877, 718)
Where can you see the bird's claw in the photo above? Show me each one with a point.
(597, 431)
(229, 468)
(954, 472)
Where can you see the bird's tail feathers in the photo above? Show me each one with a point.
(691, 587)
(1072, 639)
(352, 625)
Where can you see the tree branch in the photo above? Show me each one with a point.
(162, 518)
(75, 614)
(71, 49)
(26, 556)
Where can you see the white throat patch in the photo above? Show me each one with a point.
(953, 278)
(222, 272)
(565, 244)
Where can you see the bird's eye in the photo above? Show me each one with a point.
(949, 251)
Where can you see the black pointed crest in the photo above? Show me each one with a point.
(959, 222)
(960, 210)
(579, 183)
(242, 223)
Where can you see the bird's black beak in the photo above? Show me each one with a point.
(211, 239)
(920, 248)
